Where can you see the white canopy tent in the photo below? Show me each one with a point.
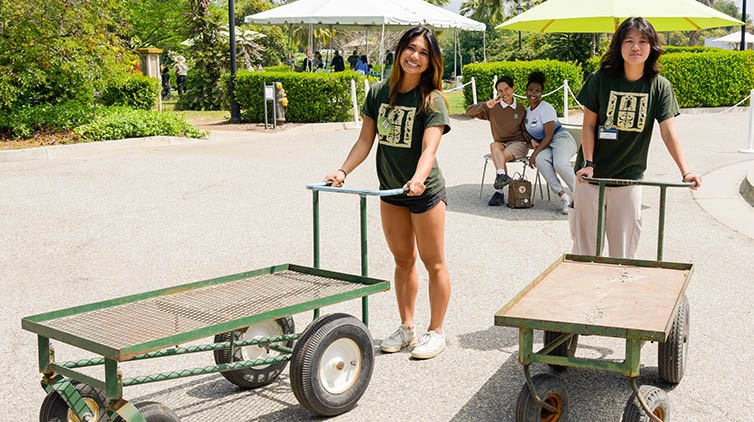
(366, 14)
(730, 41)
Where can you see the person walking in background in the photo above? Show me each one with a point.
(337, 62)
(553, 145)
(307, 65)
(362, 65)
(621, 102)
(409, 114)
(317, 61)
(509, 137)
(181, 71)
(352, 59)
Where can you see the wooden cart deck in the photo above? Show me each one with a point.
(601, 296)
(122, 328)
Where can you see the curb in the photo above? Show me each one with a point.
(93, 148)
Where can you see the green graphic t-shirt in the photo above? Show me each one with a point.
(631, 108)
(399, 134)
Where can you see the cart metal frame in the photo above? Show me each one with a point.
(635, 336)
(190, 312)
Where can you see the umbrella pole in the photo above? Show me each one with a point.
(455, 55)
(484, 45)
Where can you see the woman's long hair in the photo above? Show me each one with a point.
(431, 79)
(612, 60)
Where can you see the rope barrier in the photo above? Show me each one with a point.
(458, 88)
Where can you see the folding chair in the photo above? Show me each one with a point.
(524, 161)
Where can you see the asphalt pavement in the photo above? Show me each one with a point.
(89, 222)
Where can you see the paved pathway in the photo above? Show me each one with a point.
(90, 222)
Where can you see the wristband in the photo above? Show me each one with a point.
(344, 172)
(684, 175)
(588, 163)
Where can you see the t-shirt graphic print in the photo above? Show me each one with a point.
(627, 111)
(390, 122)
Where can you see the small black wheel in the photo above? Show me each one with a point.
(656, 400)
(332, 364)
(260, 375)
(552, 391)
(55, 409)
(567, 349)
(671, 355)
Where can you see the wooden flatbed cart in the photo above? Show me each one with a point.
(250, 316)
(635, 300)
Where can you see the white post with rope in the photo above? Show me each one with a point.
(565, 100)
(473, 89)
(750, 149)
(355, 104)
(494, 86)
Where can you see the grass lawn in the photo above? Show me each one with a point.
(456, 102)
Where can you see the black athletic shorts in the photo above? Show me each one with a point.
(417, 204)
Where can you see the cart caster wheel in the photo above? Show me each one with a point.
(671, 355)
(332, 364)
(260, 375)
(567, 349)
(55, 409)
(153, 411)
(656, 400)
(550, 389)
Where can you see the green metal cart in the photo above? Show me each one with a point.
(635, 300)
(250, 316)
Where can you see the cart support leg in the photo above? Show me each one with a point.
(643, 404)
(534, 394)
(113, 380)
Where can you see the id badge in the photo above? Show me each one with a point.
(610, 134)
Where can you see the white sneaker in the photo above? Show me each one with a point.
(565, 203)
(430, 345)
(402, 337)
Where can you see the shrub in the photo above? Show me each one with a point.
(122, 122)
(280, 68)
(555, 71)
(712, 79)
(23, 121)
(137, 91)
(312, 97)
(672, 49)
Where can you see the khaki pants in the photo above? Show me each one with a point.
(622, 220)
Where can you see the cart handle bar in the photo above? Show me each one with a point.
(326, 186)
(627, 182)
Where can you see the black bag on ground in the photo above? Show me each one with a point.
(519, 193)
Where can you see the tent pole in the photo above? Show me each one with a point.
(366, 42)
(484, 45)
(455, 55)
(382, 52)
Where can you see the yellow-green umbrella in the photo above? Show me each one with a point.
(595, 16)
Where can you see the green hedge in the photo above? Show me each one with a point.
(714, 79)
(312, 97)
(137, 91)
(672, 49)
(555, 71)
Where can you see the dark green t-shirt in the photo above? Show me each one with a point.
(399, 135)
(631, 108)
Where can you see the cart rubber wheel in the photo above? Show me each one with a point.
(332, 364)
(656, 400)
(671, 355)
(55, 409)
(550, 389)
(567, 349)
(154, 411)
(259, 375)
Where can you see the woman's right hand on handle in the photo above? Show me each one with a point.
(338, 178)
(584, 172)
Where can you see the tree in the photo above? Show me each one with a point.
(54, 50)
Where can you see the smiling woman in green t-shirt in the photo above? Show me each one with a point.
(408, 115)
(621, 102)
